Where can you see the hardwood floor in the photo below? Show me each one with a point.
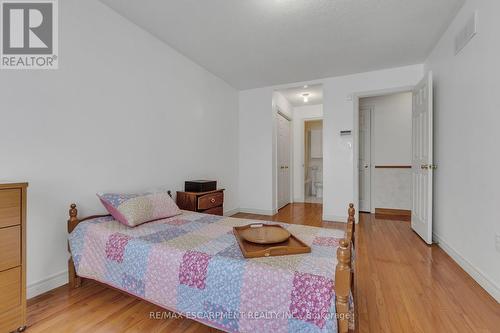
(407, 286)
(403, 286)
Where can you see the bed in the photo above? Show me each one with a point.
(191, 264)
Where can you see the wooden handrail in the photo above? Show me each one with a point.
(392, 166)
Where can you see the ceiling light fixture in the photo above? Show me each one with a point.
(306, 86)
(306, 97)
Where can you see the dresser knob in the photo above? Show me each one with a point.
(212, 200)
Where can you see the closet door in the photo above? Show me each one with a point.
(283, 165)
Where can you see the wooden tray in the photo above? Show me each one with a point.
(292, 245)
(264, 233)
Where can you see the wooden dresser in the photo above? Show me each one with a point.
(12, 256)
(203, 202)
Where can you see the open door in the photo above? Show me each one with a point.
(422, 159)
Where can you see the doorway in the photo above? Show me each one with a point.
(299, 132)
(385, 154)
(313, 161)
(416, 170)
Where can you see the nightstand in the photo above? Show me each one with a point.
(211, 202)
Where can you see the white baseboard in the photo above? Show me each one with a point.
(268, 212)
(231, 212)
(476, 274)
(334, 218)
(42, 286)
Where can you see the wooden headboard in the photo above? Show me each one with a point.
(74, 280)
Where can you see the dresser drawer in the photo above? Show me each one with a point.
(10, 289)
(11, 320)
(210, 200)
(10, 207)
(10, 247)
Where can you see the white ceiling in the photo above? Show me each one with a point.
(256, 43)
(294, 95)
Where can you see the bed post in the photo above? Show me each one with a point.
(343, 285)
(351, 211)
(351, 224)
(351, 228)
(74, 280)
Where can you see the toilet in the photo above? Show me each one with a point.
(314, 180)
(318, 186)
(317, 182)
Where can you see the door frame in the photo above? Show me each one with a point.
(303, 156)
(355, 134)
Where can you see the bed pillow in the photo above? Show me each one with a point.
(135, 209)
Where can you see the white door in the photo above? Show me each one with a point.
(283, 143)
(422, 159)
(365, 159)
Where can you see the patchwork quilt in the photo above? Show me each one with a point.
(191, 264)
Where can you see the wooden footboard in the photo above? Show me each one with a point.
(343, 285)
(344, 275)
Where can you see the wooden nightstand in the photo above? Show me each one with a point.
(202, 202)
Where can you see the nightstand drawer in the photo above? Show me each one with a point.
(10, 289)
(10, 247)
(210, 200)
(214, 211)
(10, 207)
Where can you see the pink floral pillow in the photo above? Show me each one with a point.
(135, 209)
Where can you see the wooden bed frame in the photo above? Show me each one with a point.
(344, 274)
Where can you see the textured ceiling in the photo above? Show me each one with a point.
(255, 43)
(294, 95)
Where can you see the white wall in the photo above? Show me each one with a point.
(338, 109)
(391, 145)
(338, 165)
(391, 189)
(256, 163)
(301, 113)
(466, 215)
(123, 113)
(391, 128)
